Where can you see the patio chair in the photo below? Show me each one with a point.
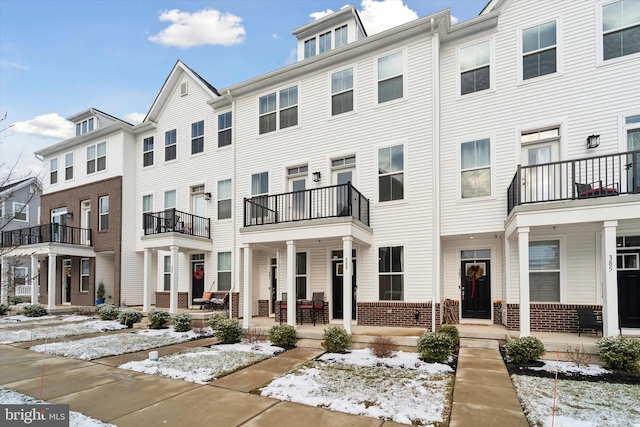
(204, 300)
(316, 304)
(587, 320)
(219, 303)
(282, 304)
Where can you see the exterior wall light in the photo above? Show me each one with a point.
(593, 141)
(316, 177)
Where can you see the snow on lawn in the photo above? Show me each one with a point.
(569, 368)
(20, 320)
(76, 419)
(401, 389)
(203, 364)
(111, 345)
(578, 403)
(59, 330)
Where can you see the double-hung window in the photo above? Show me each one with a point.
(260, 200)
(283, 104)
(391, 173)
(391, 273)
(310, 48)
(170, 147)
(84, 275)
(20, 212)
(224, 271)
(68, 166)
(620, 28)
(197, 137)
(147, 151)
(301, 275)
(224, 129)
(539, 50)
(475, 168)
(53, 171)
(544, 271)
(96, 157)
(147, 210)
(84, 126)
(224, 199)
(288, 107)
(474, 67)
(324, 42)
(341, 36)
(342, 91)
(390, 77)
(104, 213)
(167, 273)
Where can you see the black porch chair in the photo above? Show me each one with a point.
(587, 320)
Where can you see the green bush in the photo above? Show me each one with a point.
(3, 309)
(182, 322)
(450, 330)
(620, 353)
(215, 319)
(108, 312)
(336, 340)
(283, 336)
(229, 331)
(34, 310)
(435, 347)
(158, 319)
(129, 317)
(524, 350)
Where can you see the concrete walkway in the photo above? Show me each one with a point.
(483, 394)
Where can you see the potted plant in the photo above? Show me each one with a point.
(100, 293)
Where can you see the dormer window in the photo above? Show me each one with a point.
(85, 126)
(310, 48)
(341, 36)
(325, 42)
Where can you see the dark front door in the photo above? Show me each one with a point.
(629, 298)
(274, 284)
(338, 283)
(66, 280)
(197, 279)
(476, 289)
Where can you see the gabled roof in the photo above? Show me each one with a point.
(328, 22)
(170, 85)
(89, 112)
(16, 185)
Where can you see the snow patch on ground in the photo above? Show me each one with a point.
(41, 332)
(569, 368)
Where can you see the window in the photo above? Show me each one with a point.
(20, 212)
(391, 173)
(197, 137)
(104, 213)
(84, 275)
(259, 186)
(224, 271)
(224, 129)
(390, 79)
(620, 28)
(19, 276)
(167, 273)
(324, 42)
(341, 36)
(310, 48)
(170, 199)
(84, 126)
(475, 168)
(68, 166)
(343, 161)
(632, 129)
(539, 50)
(391, 273)
(170, 150)
(342, 91)
(301, 275)
(147, 208)
(224, 199)
(53, 171)
(147, 151)
(96, 157)
(474, 68)
(544, 271)
(285, 104)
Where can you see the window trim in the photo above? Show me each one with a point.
(491, 64)
(332, 94)
(559, 52)
(152, 196)
(405, 162)
(306, 274)
(175, 145)
(166, 273)
(96, 158)
(376, 81)
(218, 199)
(600, 61)
(102, 214)
(218, 270)
(23, 210)
(146, 151)
(220, 130)
(68, 168)
(562, 241)
(194, 138)
(278, 109)
(335, 38)
(403, 273)
(492, 171)
(82, 276)
(315, 47)
(52, 171)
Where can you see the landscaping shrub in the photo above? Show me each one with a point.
(3, 309)
(524, 350)
(254, 335)
(158, 319)
(108, 312)
(450, 330)
(215, 319)
(336, 339)
(383, 346)
(129, 317)
(620, 353)
(283, 336)
(34, 310)
(229, 331)
(435, 347)
(182, 322)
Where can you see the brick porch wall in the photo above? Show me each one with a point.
(263, 308)
(163, 299)
(401, 314)
(549, 317)
(497, 313)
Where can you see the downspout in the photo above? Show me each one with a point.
(435, 112)
(233, 197)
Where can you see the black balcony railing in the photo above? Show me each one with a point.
(47, 233)
(175, 221)
(326, 202)
(608, 175)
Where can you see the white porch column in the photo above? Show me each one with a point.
(523, 266)
(33, 280)
(347, 278)
(248, 285)
(610, 280)
(51, 280)
(3, 280)
(146, 281)
(291, 283)
(173, 294)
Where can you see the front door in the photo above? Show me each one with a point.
(338, 286)
(199, 209)
(66, 281)
(476, 288)
(340, 177)
(85, 222)
(629, 288)
(540, 148)
(59, 225)
(298, 208)
(274, 283)
(197, 275)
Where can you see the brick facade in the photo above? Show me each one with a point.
(163, 299)
(263, 308)
(497, 313)
(549, 317)
(304, 316)
(402, 314)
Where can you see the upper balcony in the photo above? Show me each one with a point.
(175, 221)
(342, 200)
(46, 233)
(601, 176)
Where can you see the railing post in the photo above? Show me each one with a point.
(350, 198)
(573, 180)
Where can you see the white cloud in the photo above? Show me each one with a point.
(378, 16)
(321, 14)
(454, 20)
(275, 36)
(48, 125)
(134, 118)
(6, 64)
(292, 58)
(207, 26)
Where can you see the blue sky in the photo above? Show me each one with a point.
(58, 58)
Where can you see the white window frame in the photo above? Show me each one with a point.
(103, 213)
(221, 199)
(150, 210)
(85, 126)
(320, 38)
(306, 274)
(600, 61)
(196, 138)
(402, 273)
(226, 129)
(53, 168)
(166, 273)
(405, 162)
(309, 53)
(22, 209)
(174, 145)
(559, 52)
(378, 80)
(491, 170)
(94, 159)
(83, 275)
(225, 271)
(335, 36)
(279, 109)
(146, 151)
(24, 275)
(164, 199)
(352, 89)
(68, 166)
(563, 265)
(491, 63)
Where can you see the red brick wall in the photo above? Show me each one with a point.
(549, 317)
(263, 308)
(497, 313)
(401, 314)
(163, 299)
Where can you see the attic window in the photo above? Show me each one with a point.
(184, 88)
